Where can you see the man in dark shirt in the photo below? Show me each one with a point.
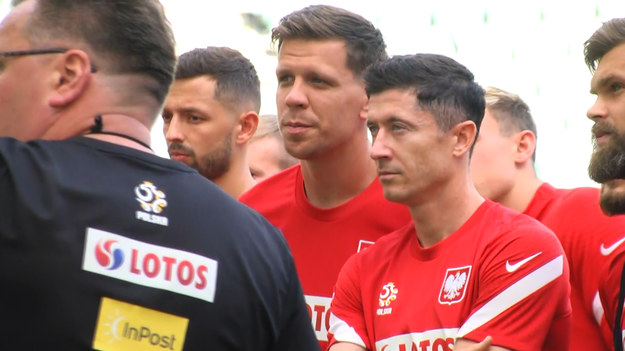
(103, 244)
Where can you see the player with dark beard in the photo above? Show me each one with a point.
(604, 53)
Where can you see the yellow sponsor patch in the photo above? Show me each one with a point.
(126, 327)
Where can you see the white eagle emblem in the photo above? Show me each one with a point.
(454, 285)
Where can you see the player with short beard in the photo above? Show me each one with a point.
(211, 113)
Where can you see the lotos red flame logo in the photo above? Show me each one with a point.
(108, 254)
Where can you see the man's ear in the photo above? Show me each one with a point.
(365, 109)
(525, 146)
(72, 76)
(246, 127)
(464, 135)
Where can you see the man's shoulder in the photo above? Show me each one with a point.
(11, 148)
(569, 199)
(38, 159)
(579, 210)
(388, 246)
(510, 224)
(278, 188)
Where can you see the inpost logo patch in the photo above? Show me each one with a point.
(126, 327)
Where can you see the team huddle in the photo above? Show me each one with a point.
(391, 204)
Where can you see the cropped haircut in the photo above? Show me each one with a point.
(442, 86)
(604, 39)
(237, 84)
(268, 126)
(364, 43)
(124, 37)
(510, 111)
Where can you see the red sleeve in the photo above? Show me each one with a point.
(523, 300)
(347, 320)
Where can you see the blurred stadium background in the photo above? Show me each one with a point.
(532, 48)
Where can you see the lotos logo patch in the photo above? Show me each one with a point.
(126, 327)
(428, 340)
(159, 267)
(108, 254)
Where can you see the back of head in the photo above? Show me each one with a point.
(268, 127)
(442, 86)
(606, 38)
(120, 36)
(510, 111)
(365, 44)
(237, 83)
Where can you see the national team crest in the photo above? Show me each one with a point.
(387, 295)
(454, 285)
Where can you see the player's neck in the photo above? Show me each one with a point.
(522, 193)
(236, 181)
(336, 178)
(122, 130)
(445, 213)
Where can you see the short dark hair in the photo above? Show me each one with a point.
(364, 43)
(604, 39)
(123, 37)
(510, 111)
(442, 86)
(236, 80)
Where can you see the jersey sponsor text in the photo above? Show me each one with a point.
(150, 265)
(429, 340)
(123, 326)
(319, 311)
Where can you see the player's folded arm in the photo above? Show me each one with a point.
(347, 320)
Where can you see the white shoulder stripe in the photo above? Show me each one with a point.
(514, 294)
(343, 332)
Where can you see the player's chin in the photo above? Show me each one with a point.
(613, 197)
(394, 194)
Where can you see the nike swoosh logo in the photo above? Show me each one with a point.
(513, 267)
(605, 251)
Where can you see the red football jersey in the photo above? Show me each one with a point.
(321, 240)
(589, 239)
(501, 274)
